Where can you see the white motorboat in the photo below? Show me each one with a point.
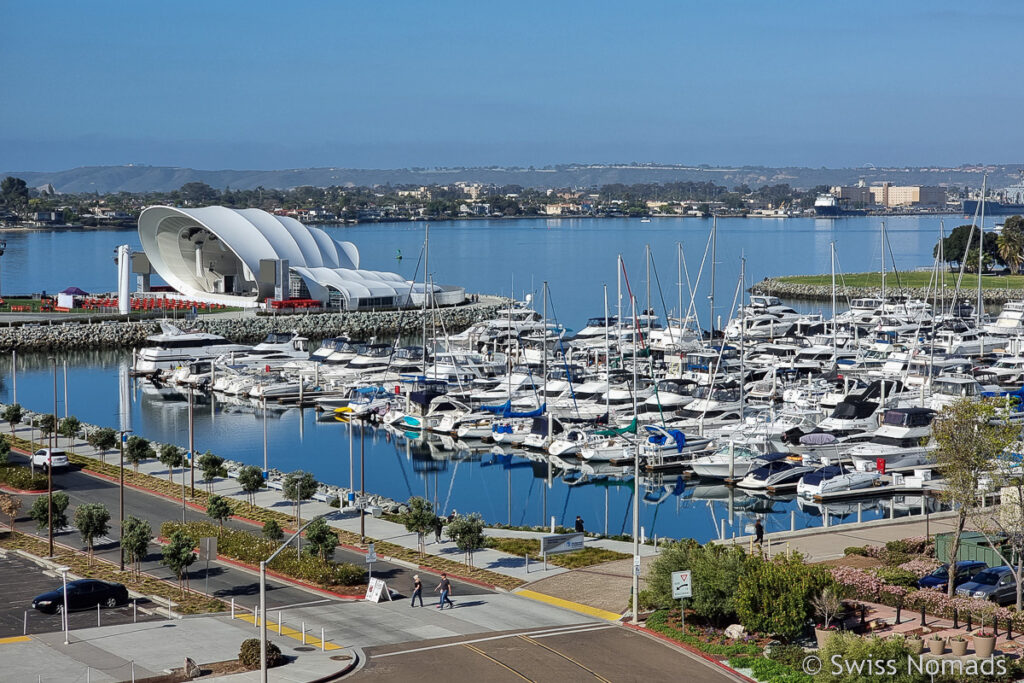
(899, 441)
(776, 469)
(834, 479)
(172, 347)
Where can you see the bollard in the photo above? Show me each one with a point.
(824, 518)
(303, 633)
(923, 511)
(722, 532)
(170, 614)
(788, 550)
(1009, 628)
(860, 512)
(232, 608)
(526, 557)
(279, 622)
(97, 615)
(995, 626)
(256, 616)
(956, 618)
(135, 611)
(323, 645)
(922, 617)
(792, 520)
(88, 674)
(768, 548)
(892, 510)
(899, 608)
(133, 671)
(970, 618)
(24, 630)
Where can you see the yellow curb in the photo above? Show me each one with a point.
(292, 633)
(15, 639)
(568, 604)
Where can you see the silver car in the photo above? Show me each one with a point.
(995, 583)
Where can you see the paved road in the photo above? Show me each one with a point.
(21, 580)
(224, 580)
(599, 652)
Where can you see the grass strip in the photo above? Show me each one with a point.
(587, 557)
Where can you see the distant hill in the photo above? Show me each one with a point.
(136, 178)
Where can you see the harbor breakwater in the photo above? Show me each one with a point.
(248, 328)
(785, 289)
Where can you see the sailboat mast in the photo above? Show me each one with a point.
(835, 344)
(647, 251)
(981, 246)
(743, 328)
(544, 344)
(883, 265)
(942, 267)
(714, 252)
(607, 358)
(679, 284)
(426, 263)
(618, 292)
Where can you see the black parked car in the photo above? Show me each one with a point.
(82, 594)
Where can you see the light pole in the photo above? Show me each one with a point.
(64, 574)
(263, 597)
(14, 374)
(122, 437)
(3, 246)
(191, 441)
(265, 436)
(362, 483)
(65, 387)
(49, 463)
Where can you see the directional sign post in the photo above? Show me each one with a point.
(371, 557)
(682, 588)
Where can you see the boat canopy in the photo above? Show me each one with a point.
(659, 437)
(505, 410)
(817, 439)
(631, 429)
(854, 410)
(822, 474)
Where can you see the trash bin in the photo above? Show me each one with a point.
(880, 465)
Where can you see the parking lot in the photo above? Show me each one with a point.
(21, 580)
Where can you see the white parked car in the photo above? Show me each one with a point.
(45, 458)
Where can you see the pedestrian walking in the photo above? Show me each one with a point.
(453, 515)
(417, 590)
(438, 525)
(446, 588)
(758, 532)
(579, 524)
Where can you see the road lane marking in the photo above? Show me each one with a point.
(570, 605)
(501, 664)
(15, 639)
(580, 630)
(566, 657)
(553, 632)
(290, 632)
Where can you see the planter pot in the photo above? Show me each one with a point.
(822, 635)
(984, 645)
(936, 647)
(959, 647)
(915, 645)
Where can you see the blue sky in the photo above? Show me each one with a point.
(256, 84)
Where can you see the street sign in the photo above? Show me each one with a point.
(682, 585)
(561, 543)
(208, 548)
(371, 555)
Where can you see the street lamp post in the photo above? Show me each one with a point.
(14, 374)
(264, 436)
(191, 440)
(49, 463)
(362, 483)
(122, 437)
(64, 574)
(263, 597)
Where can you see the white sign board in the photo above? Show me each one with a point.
(682, 585)
(376, 589)
(371, 555)
(561, 543)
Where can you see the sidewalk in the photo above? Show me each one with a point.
(376, 528)
(136, 651)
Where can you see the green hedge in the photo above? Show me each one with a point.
(770, 671)
(658, 622)
(22, 478)
(252, 549)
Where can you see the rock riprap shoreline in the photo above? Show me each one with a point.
(246, 329)
(785, 289)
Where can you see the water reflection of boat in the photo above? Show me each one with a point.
(840, 510)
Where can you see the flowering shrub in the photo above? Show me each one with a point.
(920, 566)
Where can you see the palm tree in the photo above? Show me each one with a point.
(1011, 248)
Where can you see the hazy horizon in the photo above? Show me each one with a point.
(237, 85)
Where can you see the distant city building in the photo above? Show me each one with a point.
(889, 195)
(856, 195)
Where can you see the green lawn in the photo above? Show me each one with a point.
(911, 279)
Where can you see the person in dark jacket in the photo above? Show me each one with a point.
(438, 525)
(758, 532)
(417, 590)
(579, 524)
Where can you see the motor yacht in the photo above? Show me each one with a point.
(173, 346)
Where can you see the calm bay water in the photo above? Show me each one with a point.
(576, 256)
